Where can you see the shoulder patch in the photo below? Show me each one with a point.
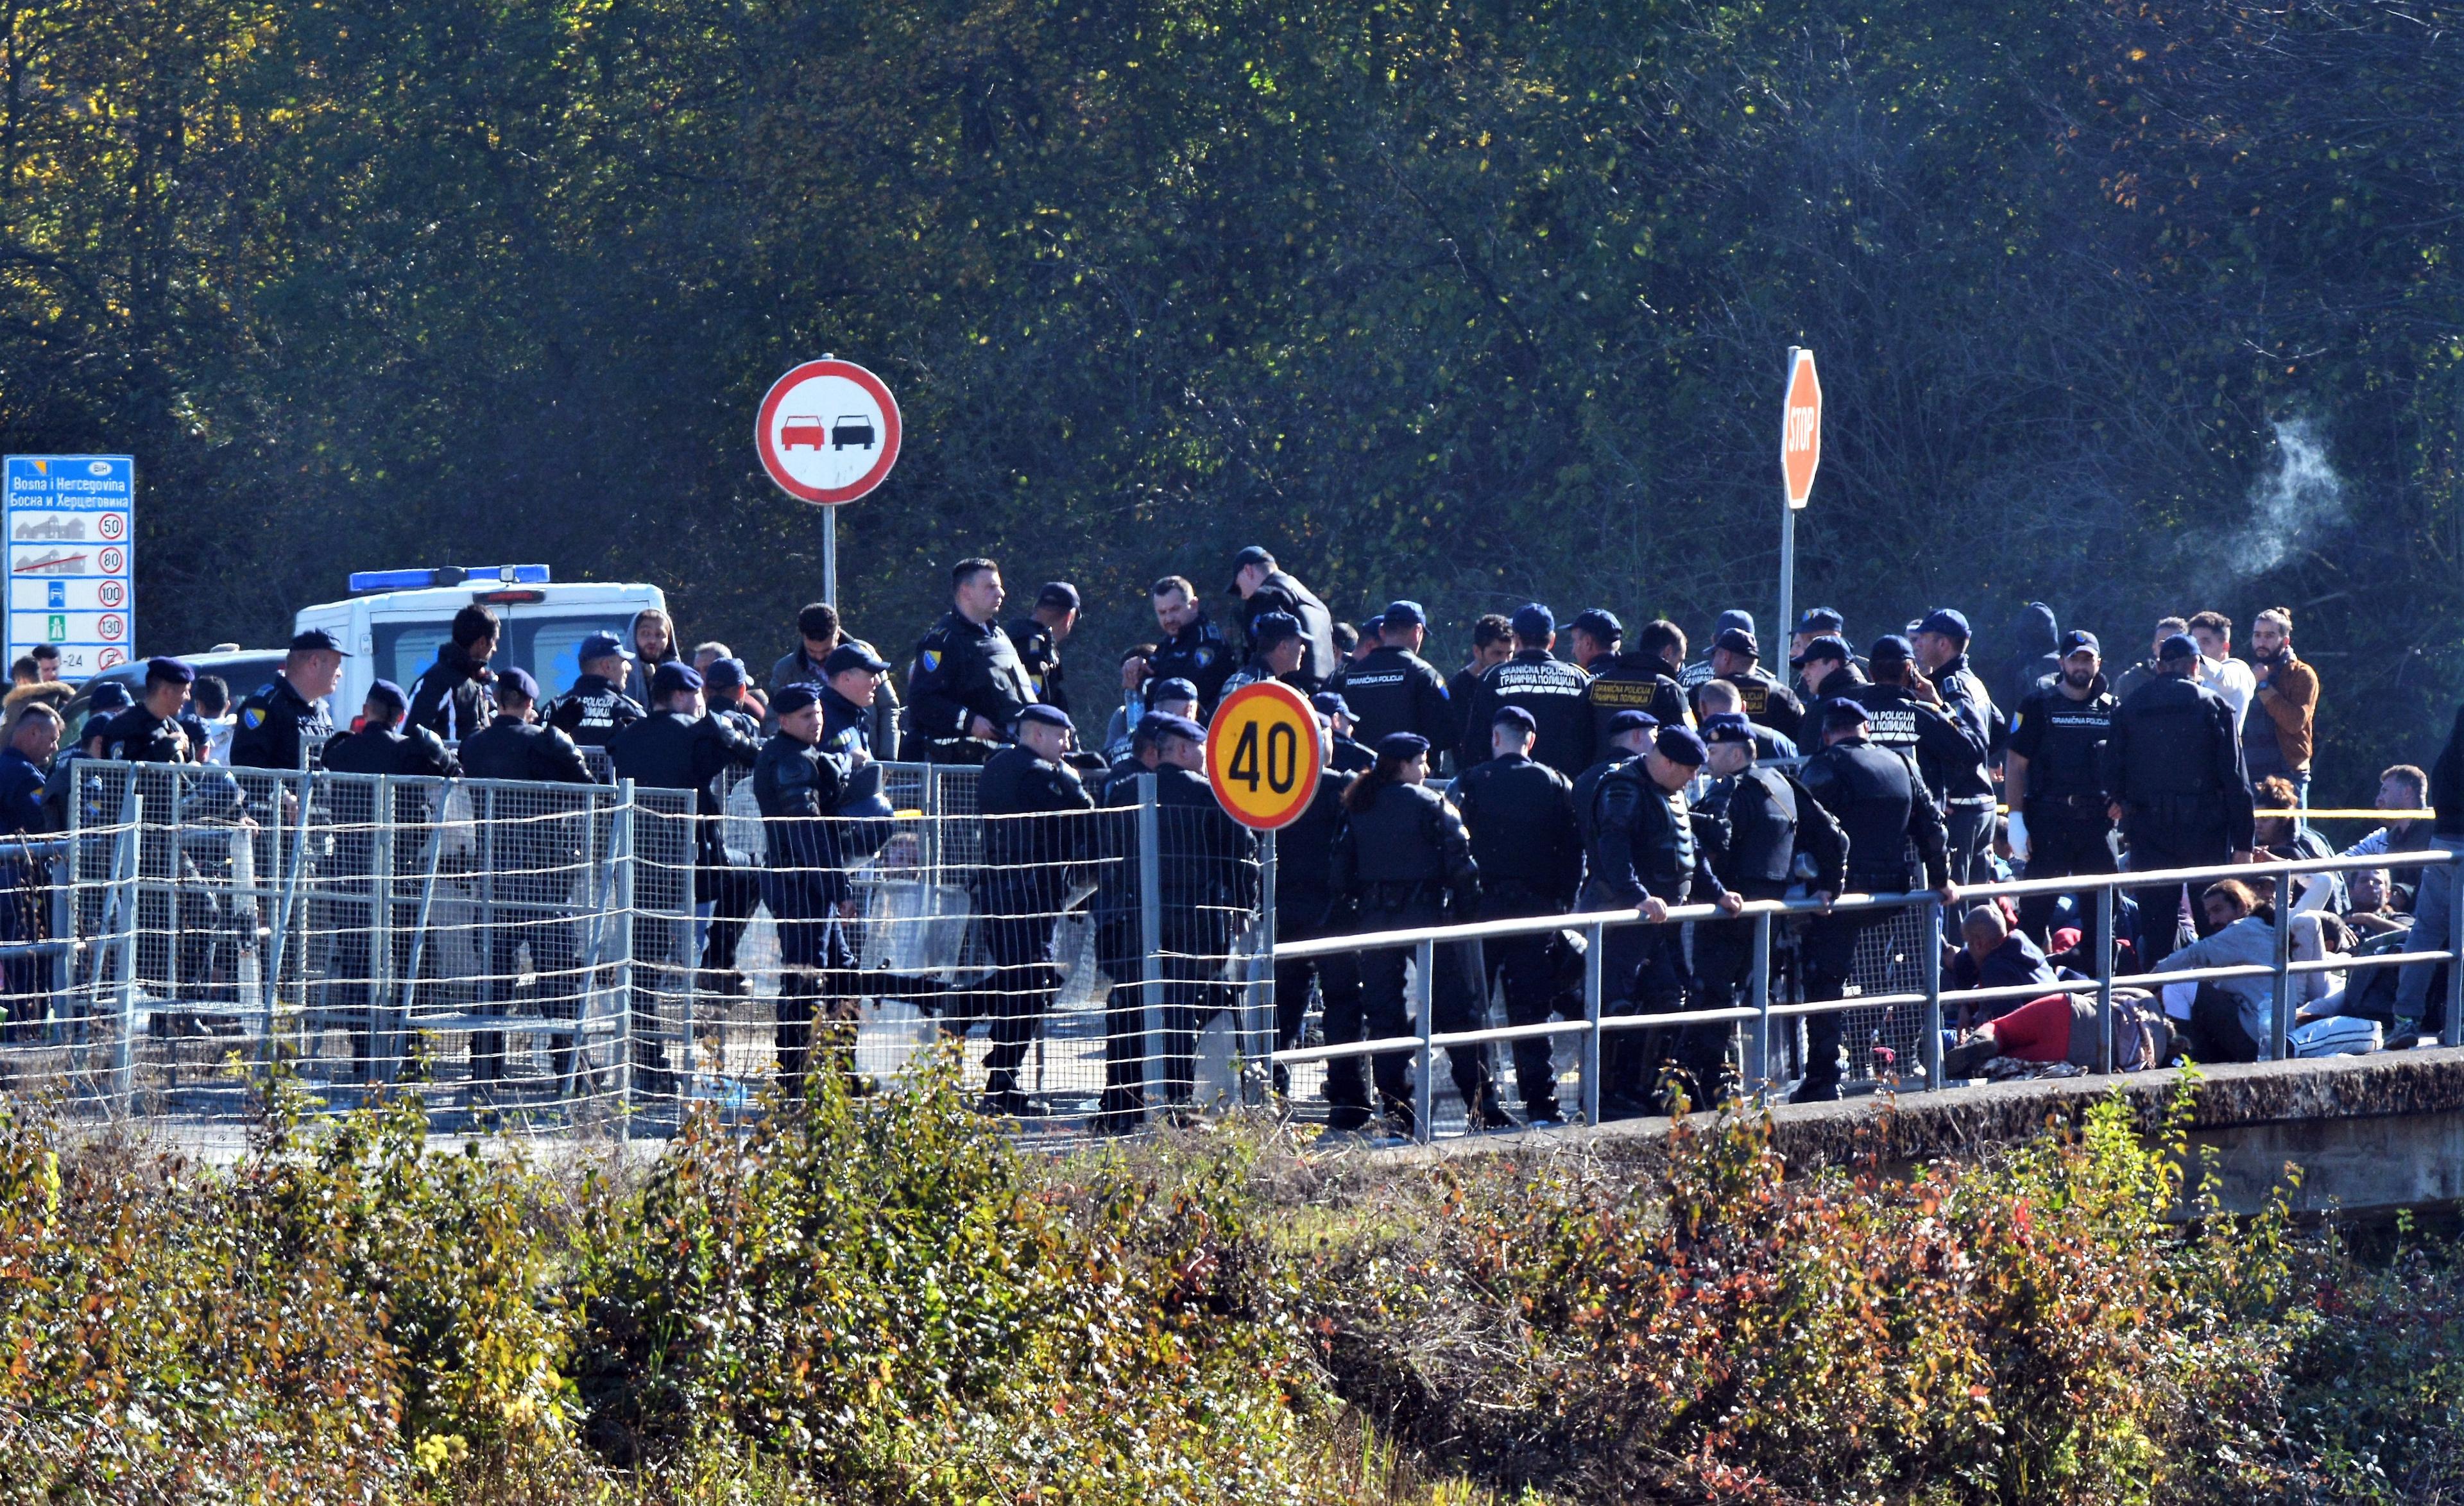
(929, 658)
(1204, 655)
(253, 718)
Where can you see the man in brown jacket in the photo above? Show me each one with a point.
(2276, 735)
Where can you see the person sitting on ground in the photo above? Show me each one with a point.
(2230, 1019)
(1994, 956)
(2374, 911)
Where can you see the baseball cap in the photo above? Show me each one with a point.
(1737, 640)
(1891, 649)
(2177, 646)
(670, 679)
(2079, 638)
(1679, 746)
(1049, 716)
(1058, 593)
(1736, 618)
(1947, 622)
(1332, 704)
(318, 639)
(1825, 646)
(1254, 554)
(1535, 622)
(1402, 744)
(1273, 627)
(110, 695)
(852, 656)
(1173, 689)
(598, 646)
(1727, 726)
(725, 673)
(520, 683)
(1404, 614)
(1822, 619)
(1599, 622)
(1514, 717)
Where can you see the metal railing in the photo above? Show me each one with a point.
(1759, 1015)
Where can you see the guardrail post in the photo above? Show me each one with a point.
(627, 852)
(2105, 1049)
(1423, 1086)
(1933, 928)
(1258, 1047)
(1150, 939)
(2283, 1013)
(1758, 1032)
(381, 927)
(1592, 975)
(2452, 1028)
(129, 860)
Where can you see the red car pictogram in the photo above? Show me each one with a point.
(806, 430)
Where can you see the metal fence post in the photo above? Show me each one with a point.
(2104, 1050)
(1258, 1048)
(1592, 986)
(625, 851)
(1932, 1043)
(380, 925)
(1423, 1086)
(123, 1047)
(2283, 1013)
(1150, 941)
(1759, 1030)
(2452, 1028)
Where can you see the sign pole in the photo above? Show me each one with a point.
(830, 555)
(1787, 565)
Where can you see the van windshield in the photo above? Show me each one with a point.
(545, 644)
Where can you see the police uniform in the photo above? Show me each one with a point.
(1199, 654)
(1304, 906)
(1207, 867)
(2173, 762)
(1529, 850)
(1841, 682)
(1761, 820)
(593, 711)
(802, 883)
(2063, 740)
(1881, 804)
(375, 749)
(880, 718)
(138, 736)
(1018, 893)
(1039, 656)
(965, 670)
(1967, 794)
(533, 864)
(1633, 682)
(1555, 692)
(1404, 860)
(1280, 592)
(1764, 701)
(1937, 748)
(24, 894)
(1391, 689)
(452, 697)
(275, 727)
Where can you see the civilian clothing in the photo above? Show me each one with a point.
(2276, 732)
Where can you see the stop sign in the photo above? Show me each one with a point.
(1800, 428)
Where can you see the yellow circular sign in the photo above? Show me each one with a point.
(1263, 755)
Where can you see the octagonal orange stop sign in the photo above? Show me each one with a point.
(1800, 428)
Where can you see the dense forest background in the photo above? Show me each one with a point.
(2125, 306)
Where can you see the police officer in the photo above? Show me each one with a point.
(1344, 751)
(1735, 657)
(804, 881)
(1281, 653)
(1761, 822)
(1881, 802)
(1826, 670)
(1622, 681)
(1193, 648)
(1814, 622)
(2052, 774)
(597, 708)
(1630, 736)
(1551, 690)
(2173, 768)
(1119, 926)
(379, 745)
(1733, 620)
(1967, 794)
(1037, 637)
(1530, 853)
(1264, 587)
(281, 718)
(452, 697)
(1305, 910)
(1639, 852)
(382, 745)
(1402, 859)
(819, 634)
(532, 862)
(1907, 714)
(1020, 889)
(1207, 865)
(1716, 697)
(151, 731)
(967, 685)
(34, 738)
(1393, 689)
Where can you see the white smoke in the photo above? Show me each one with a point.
(2296, 500)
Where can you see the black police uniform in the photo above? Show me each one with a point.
(2173, 762)
(533, 863)
(1555, 692)
(375, 750)
(1350, 755)
(454, 696)
(965, 670)
(276, 727)
(1207, 865)
(1940, 749)
(1017, 893)
(1530, 851)
(1041, 658)
(1279, 593)
(1633, 682)
(1966, 794)
(1765, 701)
(1120, 948)
(25, 906)
(138, 736)
(1761, 820)
(1199, 654)
(1841, 683)
(799, 788)
(1393, 689)
(593, 711)
(1881, 802)
(1637, 841)
(1304, 906)
(1404, 860)
(2063, 741)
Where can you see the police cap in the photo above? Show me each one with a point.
(1727, 726)
(1534, 623)
(1254, 554)
(1175, 727)
(168, 672)
(1891, 649)
(2079, 639)
(2178, 645)
(1049, 716)
(1630, 721)
(1058, 593)
(1173, 689)
(1273, 627)
(1736, 618)
(1842, 712)
(385, 693)
(674, 679)
(1738, 640)
(1822, 619)
(1404, 614)
(854, 656)
(792, 699)
(1949, 623)
(1332, 704)
(1402, 745)
(598, 646)
(1825, 646)
(1517, 717)
(1679, 746)
(519, 682)
(725, 673)
(317, 640)
(110, 695)
(1599, 622)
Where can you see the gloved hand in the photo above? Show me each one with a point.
(2018, 827)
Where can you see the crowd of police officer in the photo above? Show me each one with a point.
(1588, 776)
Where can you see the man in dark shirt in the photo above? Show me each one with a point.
(151, 731)
(1038, 635)
(1529, 853)
(280, 719)
(2052, 773)
(25, 908)
(1020, 889)
(805, 884)
(1735, 657)
(1967, 794)
(1492, 644)
(1263, 588)
(452, 697)
(968, 683)
(1393, 689)
(1193, 648)
(1343, 750)
(1551, 690)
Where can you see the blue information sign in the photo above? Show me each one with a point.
(70, 526)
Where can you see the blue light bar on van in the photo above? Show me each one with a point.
(447, 575)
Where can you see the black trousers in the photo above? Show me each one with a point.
(732, 894)
(1724, 965)
(2062, 843)
(1642, 971)
(1020, 993)
(817, 981)
(1338, 979)
(1195, 944)
(1387, 1014)
(531, 913)
(1525, 968)
(2160, 904)
(1830, 957)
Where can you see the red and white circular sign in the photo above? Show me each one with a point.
(827, 431)
(111, 626)
(112, 525)
(111, 594)
(112, 562)
(110, 659)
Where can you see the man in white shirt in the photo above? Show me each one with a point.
(2218, 669)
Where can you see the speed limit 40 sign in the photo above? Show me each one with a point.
(1263, 755)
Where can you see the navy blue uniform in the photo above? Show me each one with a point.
(799, 788)
(1529, 850)
(965, 670)
(276, 725)
(1556, 692)
(593, 711)
(1019, 892)
(1199, 654)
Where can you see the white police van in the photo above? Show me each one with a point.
(396, 619)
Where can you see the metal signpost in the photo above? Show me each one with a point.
(70, 521)
(1800, 451)
(1262, 757)
(828, 433)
